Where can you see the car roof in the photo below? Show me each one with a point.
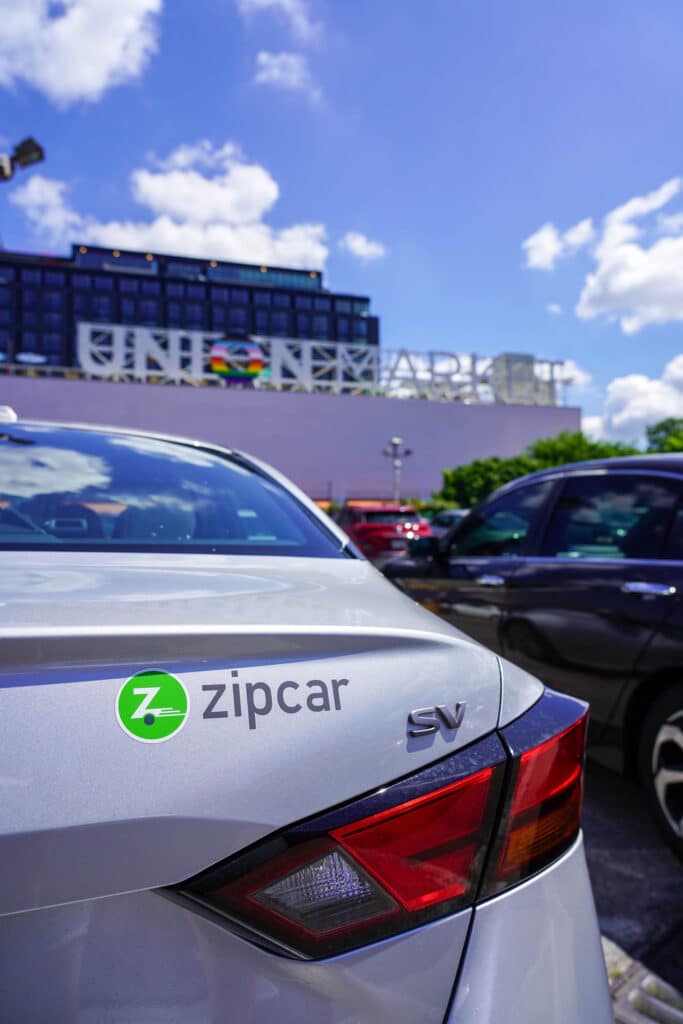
(655, 462)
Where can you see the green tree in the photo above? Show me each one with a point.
(665, 436)
(467, 485)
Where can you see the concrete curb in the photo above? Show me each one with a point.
(638, 995)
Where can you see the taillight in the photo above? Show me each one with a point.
(461, 830)
(400, 857)
(542, 815)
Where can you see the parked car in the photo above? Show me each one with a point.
(446, 520)
(244, 778)
(576, 574)
(378, 529)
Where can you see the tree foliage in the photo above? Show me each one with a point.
(467, 485)
(665, 436)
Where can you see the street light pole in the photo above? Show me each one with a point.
(397, 454)
(27, 152)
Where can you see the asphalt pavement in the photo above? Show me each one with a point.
(637, 880)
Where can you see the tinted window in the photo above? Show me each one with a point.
(501, 526)
(390, 518)
(674, 544)
(81, 489)
(611, 516)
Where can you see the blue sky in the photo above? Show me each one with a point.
(409, 149)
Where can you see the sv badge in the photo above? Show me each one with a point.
(424, 721)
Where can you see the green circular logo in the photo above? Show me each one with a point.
(152, 706)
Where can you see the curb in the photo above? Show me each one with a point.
(638, 995)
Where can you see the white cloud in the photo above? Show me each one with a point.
(287, 71)
(553, 308)
(547, 245)
(632, 282)
(574, 374)
(362, 247)
(593, 426)
(637, 279)
(296, 13)
(636, 401)
(217, 214)
(78, 49)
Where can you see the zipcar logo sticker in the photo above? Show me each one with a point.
(152, 706)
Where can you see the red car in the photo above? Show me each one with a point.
(378, 529)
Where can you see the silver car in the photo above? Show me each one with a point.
(243, 778)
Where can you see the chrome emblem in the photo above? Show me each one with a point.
(424, 721)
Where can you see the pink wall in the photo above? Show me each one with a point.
(328, 444)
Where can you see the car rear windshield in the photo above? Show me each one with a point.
(81, 489)
(390, 518)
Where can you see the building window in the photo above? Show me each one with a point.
(175, 289)
(361, 308)
(4, 340)
(128, 311)
(303, 325)
(149, 311)
(321, 327)
(238, 319)
(6, 273)
(29, 276)
(342, 327)
(53, 300)
(360, 329)
(280, 324)
(342, 306)
(220, 294)
(323, 304)
(173, 314)
(193, 314)
(29, 340)
(261, 298)
(53, 320)
(281, 299)
(29, 298)
(5, 316)
(150, 287)
(196, 291)
(80, 280)
(29, 319)
(5, 297)
(262, 320)
(80, 303)
(128, 285)
(100, 307)
(53, 343)
(54, 278)
(104, 284)
(239, 296)
(218, 317)
(303, 302)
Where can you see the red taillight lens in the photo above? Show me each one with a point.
(424, 851)
(544, 812)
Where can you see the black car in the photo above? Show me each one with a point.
(576, 574)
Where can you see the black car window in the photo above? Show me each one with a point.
(501, 526)
(93, 490)
(611, 516)
(674, 542)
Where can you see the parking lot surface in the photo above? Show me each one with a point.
(637, 881)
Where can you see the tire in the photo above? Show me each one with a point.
(660, 764)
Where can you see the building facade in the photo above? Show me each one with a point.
(44, 298)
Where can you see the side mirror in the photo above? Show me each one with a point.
(423, 547)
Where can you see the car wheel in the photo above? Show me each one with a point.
(661, 763)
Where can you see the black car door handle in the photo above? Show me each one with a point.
(648, 589)
(490, 580)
